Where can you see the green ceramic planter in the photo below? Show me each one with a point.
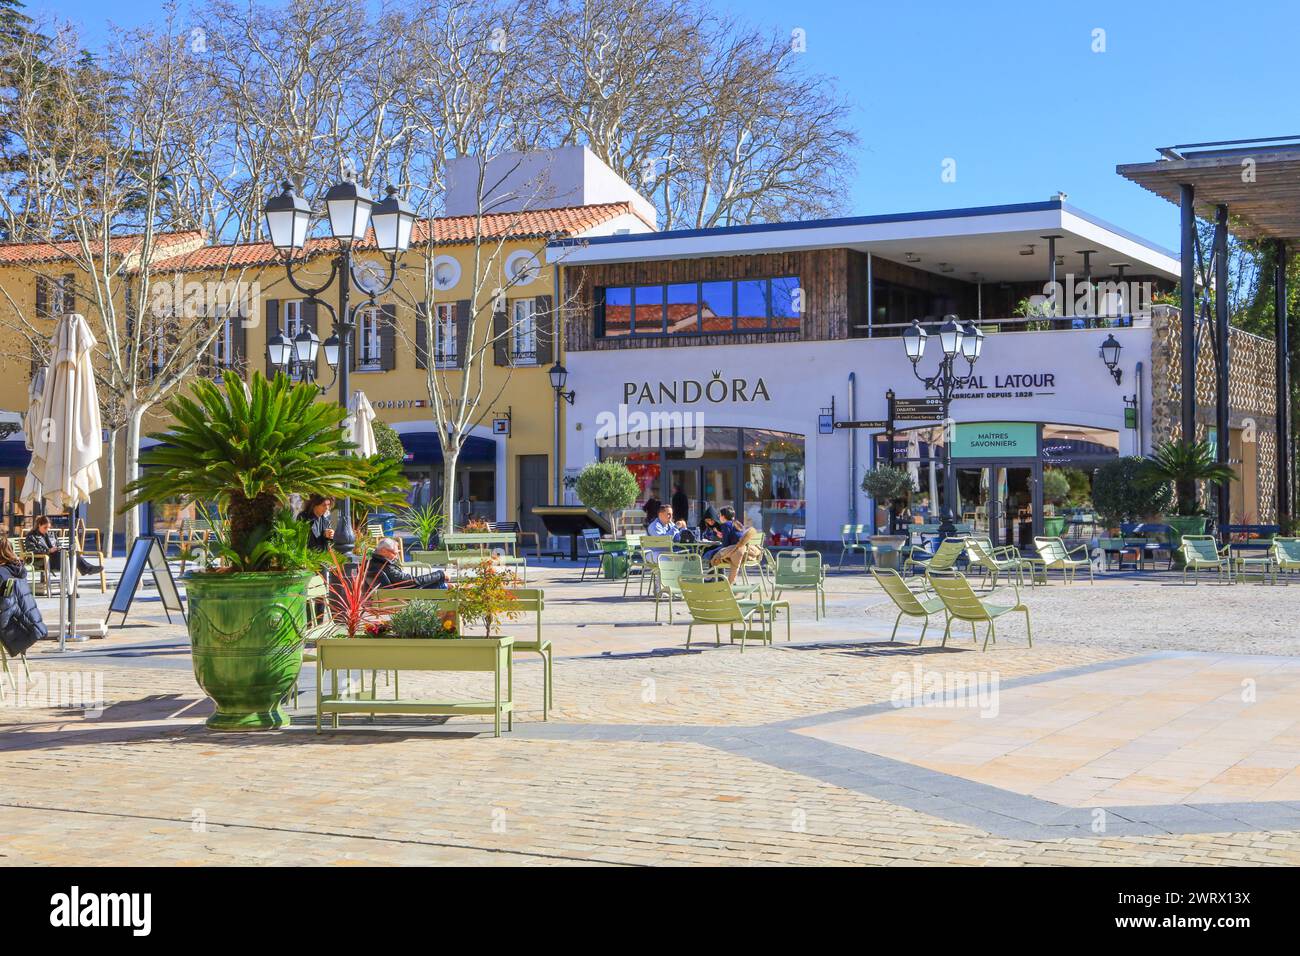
(1053, 527)
(245, 639)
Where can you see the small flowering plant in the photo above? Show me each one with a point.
(448, 626)
(486, 599)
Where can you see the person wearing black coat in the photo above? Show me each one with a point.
(382, 570)
(317, 512)
(21, 624)
(40, 541)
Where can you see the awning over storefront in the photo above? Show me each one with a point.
(424, 448)
(14, 455)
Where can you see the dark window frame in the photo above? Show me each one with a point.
(599, 298)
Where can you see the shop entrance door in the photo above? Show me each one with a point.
(707, 484)
(1002, 501)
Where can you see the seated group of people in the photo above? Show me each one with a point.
(723, 527)
(38, 541)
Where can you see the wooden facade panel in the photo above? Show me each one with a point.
(823, 277)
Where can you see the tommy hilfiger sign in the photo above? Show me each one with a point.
(692, 391)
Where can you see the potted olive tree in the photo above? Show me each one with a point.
(608, 487)
(889, 485)
(1056, 490)
(246, 449)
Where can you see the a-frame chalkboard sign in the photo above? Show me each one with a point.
(146, 550)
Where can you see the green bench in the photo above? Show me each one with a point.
(527, 601)
(486, 655)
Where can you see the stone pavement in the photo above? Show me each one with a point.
(654, 755)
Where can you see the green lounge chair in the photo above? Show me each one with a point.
(995, 562)
(643, 551)
(945, 557)
(963, 604)
(714, 603)
(851, 545)
(1053, 554)
(801, 571)
(1286, 554)
(908, 602)
(1201, 551)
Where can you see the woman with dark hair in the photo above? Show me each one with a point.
(652, 508)
(40, 541)
(317, 511)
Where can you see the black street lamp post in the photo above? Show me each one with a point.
(559, 378)
(352, 213)
(955, 338)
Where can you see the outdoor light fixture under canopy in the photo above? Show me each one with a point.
(972, 342)
(1109, 352)
(349, 207)
(393, 219)
(288, 217)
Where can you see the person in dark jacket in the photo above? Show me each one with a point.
(681, 504)
(40, 541)
(729, 533)
(21, 624)
(382, 570)
(11, 566)
(317, 512)
(710, 528)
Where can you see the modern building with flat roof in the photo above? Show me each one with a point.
(716, 362)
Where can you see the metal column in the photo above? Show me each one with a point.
(1187, 306)
(1285, 493)
(1222, 443)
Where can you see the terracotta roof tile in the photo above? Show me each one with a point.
(30, 253)
(531, 224)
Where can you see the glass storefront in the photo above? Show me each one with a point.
(759, 472)
(1015, 480)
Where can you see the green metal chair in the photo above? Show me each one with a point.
(945, 557)
(673, 569)
(963, 604)
(1286, 554)
(1054, 555)
(714, 603)
(801, 571)
(995, 562)
(850, 544)
(1201, 551)
(908, 602)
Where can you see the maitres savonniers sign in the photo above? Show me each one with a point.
(690, 391)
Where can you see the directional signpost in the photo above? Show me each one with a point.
(870, 424)
(918, 409)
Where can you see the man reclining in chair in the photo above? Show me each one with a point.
(739, 544)
(382, 570)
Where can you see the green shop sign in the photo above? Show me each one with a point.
(996, 440)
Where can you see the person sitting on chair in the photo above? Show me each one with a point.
(664, 526)
(710, 529)
(317, 511)
(382, 570)
(40, 541)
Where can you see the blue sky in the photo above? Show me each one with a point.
(1014, 94)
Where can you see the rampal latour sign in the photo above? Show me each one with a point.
(690, 391)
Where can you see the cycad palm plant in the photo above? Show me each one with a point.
(248, 449)
(1186, 464)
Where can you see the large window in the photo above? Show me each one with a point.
(369, 340)
(523, 332)
(444, 335)
(692, 308)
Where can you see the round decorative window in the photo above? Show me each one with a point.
(446, 272)
(522, 267)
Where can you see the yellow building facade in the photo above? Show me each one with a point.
(485, 282)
